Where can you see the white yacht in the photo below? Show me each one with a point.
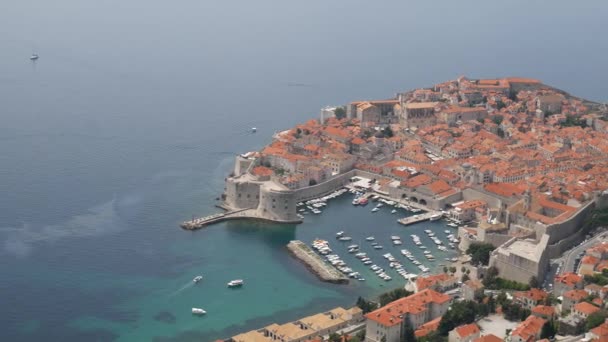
(374, 210)
(345, 238)
(236, 283)
(435, 217)
(34, 57)
(197, 278)
(339, 234)
(198, 311)
(394, 211)
(370, 238)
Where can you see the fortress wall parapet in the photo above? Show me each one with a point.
(277, 205)
(241, 193)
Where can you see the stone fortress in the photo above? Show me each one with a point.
(500, 155)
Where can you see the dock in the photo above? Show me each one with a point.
(406, 221)
(239, 214)
(200, 222)
(315, 263)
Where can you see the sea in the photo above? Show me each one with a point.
(130, 120)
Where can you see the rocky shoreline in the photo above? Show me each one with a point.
(315, 263)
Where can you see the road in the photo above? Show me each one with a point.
(574, 252)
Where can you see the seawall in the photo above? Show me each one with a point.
(313, 262)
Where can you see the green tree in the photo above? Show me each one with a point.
(383, 339)
(365, 305)
(452, 269)
(533, 282)
(333, 337)
(445, 269)
(408, 334)
(388, 132)
(460, 313)
(480, 252)
(464, 278)
(497, 119)
(361, 335)
(595, 319)
(340, 113)
(548, 330)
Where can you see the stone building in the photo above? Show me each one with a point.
(389, 321)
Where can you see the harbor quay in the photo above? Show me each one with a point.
(313, 261)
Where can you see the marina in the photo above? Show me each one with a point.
(387, 254)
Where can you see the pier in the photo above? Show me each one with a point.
(315, 263)
(240, 214)
(201, 222)
(406, 221)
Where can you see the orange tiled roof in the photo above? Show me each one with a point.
(576, 295)
(262, 171)
(586, 308)
(528, 329)
(488, 338)
(428, 327)
(601, 332)
(533, 294)
(392, 313)
(569, 279)
(426, 282)
(544, 310)
(589, 260)
(467, 330)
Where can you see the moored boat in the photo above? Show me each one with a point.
(198, 311)
(236, 283)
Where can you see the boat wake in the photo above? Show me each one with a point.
(176, 292)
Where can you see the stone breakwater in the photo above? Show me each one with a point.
(315, 263)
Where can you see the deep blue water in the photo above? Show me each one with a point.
(129, 121)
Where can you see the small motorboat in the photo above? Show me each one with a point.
(254, 129)
(394, 211)
(375, 210)
(198, 311)
(370, 238)
(34, 57)
(236, 283)
(197, 279)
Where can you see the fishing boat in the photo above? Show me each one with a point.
(236, 283)
(198, 311)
